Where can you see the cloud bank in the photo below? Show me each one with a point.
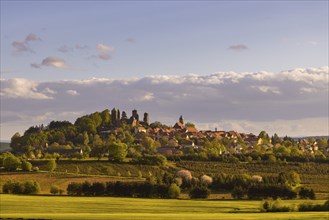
(293, 102)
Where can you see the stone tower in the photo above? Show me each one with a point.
(135, 114)
(146, 118)
(181, 119)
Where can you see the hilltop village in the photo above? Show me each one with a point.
(93, 135)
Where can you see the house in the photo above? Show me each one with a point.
(179, 125)
(140, 129)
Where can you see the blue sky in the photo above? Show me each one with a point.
(165, 37)
(46, 42)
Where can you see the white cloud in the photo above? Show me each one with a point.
(55, 62)
(102, 48)
(267, 89)
(21, 88)
(104, 51)
(72, 92)
(242, 101)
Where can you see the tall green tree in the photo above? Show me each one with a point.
(51, 165)
(117, 151)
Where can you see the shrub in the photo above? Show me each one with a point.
(173, 191)
(305, 193)
(26, 166)
(276, 206)
(51, 165)
(27, 187)
(238, 192)
(31, 187)
(54, 189)
(308, 207)
(10, 162)
(199, 192)
(261, 191)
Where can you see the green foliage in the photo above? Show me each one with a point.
(308, 207)
(157, 160)
(51, 165)
(238, 192)
(173, 191)
(10, 162)
(26, 166)
(28, 187)
(275, 206)
(305, 193)
(117, 152)
(199, 193)
(54, 189)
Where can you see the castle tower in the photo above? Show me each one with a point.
(114, 116)
(181, 119)
(135, 114)
(146, 118)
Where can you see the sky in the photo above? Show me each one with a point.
(232, 65)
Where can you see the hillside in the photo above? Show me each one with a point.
(4, 146)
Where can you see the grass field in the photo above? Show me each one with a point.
(65, 207)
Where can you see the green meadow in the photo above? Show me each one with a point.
(66, 207)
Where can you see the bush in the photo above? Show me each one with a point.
(28, 187)
(238, 192)
(199, 192)
(54, 189)
(305, 193)
(51, 165)
(308, 207)
(26, 166)
(261, 191)
(10, 162)
(173, 191)
(276, 206)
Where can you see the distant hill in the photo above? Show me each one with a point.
(4, 146)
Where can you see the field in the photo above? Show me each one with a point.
(66, 207)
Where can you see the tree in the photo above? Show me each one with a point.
(106, 117)
(305, 193)
(54, 189)
(185, 175)
(10, 162)
(238, 192)
(85, 124)
(15, 142)
(117, 151)
(173, 191)
(98, 147)
(51, 165)
(26, 166)
(291, 178)
(199, 192)
(275, 139)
